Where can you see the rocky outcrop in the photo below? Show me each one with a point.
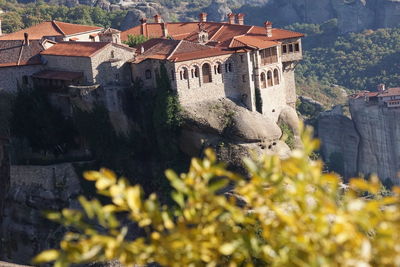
(141, 10)
(379, 130)
(24, 231)
(340, 141)
(218, 10)
(232, 130)
(368, 143)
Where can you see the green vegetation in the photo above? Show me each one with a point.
(134, 40)
(259, 103)
(287, 134)
(357, 61)
(283, 213)
(20, 16)
(37, 121)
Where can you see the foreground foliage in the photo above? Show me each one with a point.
(295, 215)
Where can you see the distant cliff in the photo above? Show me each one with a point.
(366, 144)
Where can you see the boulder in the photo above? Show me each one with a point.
(232, 130)
(217, 10)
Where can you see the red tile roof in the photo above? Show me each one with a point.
(175, 50)
(16, 53)
(50, 28)
(390, 92)
(220, 33)
(58, 75)
(75, 49)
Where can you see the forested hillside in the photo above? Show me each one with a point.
(19, 16)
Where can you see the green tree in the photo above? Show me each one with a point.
(284, 213)
(134, 40)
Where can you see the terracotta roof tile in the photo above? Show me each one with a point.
(251, 41)
(75, 49)
(390, 92)
(15, 53)
(49, 28)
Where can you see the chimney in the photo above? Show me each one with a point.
(268, 27)
(157, 18)
(231, 18)
(240, 18)
(164, 29)
(1, 33)
(203, 17)
(26, 39)
(381, 88)
(143, 22)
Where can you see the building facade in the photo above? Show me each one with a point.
(207, 60)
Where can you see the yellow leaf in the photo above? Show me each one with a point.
(46, 256)
(133, 197)
(227, 248)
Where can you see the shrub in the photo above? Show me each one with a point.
(290, 214)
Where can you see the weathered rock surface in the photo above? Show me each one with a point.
(24, 231)
(218, 10)
(369, 143)
(340, 141)
(232, 130)
(379, 130)
(140, 10)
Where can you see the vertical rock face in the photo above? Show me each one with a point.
(379, 130)
(340, 141)
(354, 15)
(369, 143)
(24, 231)
(4, 176)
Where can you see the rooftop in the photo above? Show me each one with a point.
(221, 34)
(50, 28)
(17, 53)
(177, 50)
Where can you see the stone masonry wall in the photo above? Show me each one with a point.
(4, 174)
(76, 64)
(33, 189)
(10, 77)
(109, 70)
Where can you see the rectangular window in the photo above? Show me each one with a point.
(284, 49)
(290, 48)
(297, 47)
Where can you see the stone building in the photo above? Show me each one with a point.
(18, 60)
(56, 31)
(83, 67)
(208, 60)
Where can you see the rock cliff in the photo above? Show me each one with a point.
(23, 230)
(233, 131)
(366, 144)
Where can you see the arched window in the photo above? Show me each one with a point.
(147, 74)
(196, 71)
(206, 69)
(219, 68)
(263, 80)
(230, 69)
(269, 78)
(192, 71)
(215, 69)
(112, 54)
(276, 76)
(185, 73)
(181, 75)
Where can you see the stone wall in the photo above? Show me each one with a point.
(4, 174)
(110, 66)
(11, 77)
(33, 189)
(76, 64)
